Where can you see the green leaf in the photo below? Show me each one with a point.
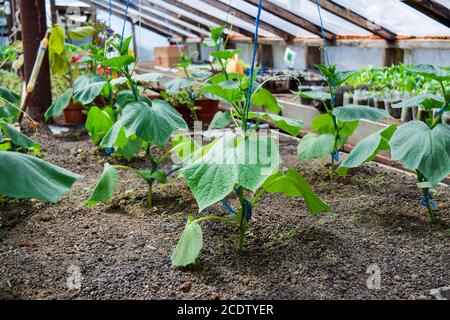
(265, 99)
(105, 188)
(189, 246)
(216, 32)
(25, 176)
(177, 84)
(314, 146)
(130, 149)
(59, 105)
(292, 184)
(367, 149)
(429, 71)
(147, 77)
(18, 138)
(220, 120)
(291, 126)
(159, 175)
(154, 124)
(228, 162)
(323, 123)
(427, 101)
(118, 62)
(124, 97)
(225, 54)
(87, 88)
(341, 77)
(57, 40)
(81, 32)
(98, 122)
(115, 137)
(315, 95)
(227, 90)
(356, 112)
(427, 150)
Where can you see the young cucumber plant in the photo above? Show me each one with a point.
(338, 123)
(142, 124)
(244, 163)
(421, 146)
(22, 175)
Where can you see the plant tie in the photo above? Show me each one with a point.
(228, 207)
(169, 173)
(428, 199)
(247, 209)
(441, 110)
(109, 151)
(335, 155)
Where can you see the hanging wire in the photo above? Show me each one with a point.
(138, 49)
(170, 30)
(325, 44)
(110, 15)
(252, 70)
(124, 23)
(226, 23)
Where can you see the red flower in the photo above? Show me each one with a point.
(101, 71)
(76, 58)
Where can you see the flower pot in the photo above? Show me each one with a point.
(208, 110)
(74, 115)
(185, 113)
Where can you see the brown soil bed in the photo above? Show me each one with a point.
(123, 248)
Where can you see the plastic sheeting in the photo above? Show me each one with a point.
(308, 10)
(398, 17)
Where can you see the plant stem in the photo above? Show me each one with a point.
(150, 195)
(425, 194)
(241, 223)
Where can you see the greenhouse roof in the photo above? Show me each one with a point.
(291, 20)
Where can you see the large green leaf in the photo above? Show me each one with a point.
(105, 188)
(154, 124)
(189, 245)
(59, 105)
(427, 150)
(228, 162)
(291, 126)
(130, 149)
(87, 88)
(356, 112)
(98, 122)
(25, 176)
(314, 146)
(292, 184)
(81, 32)
(428, 101)
(18, 138)
(367, 149)
(429, 71)
(262, 97)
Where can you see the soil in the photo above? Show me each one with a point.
(123, 248)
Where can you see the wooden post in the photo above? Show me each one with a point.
(313, 57)
(393, 56)
(34, 27)
(265, 55)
